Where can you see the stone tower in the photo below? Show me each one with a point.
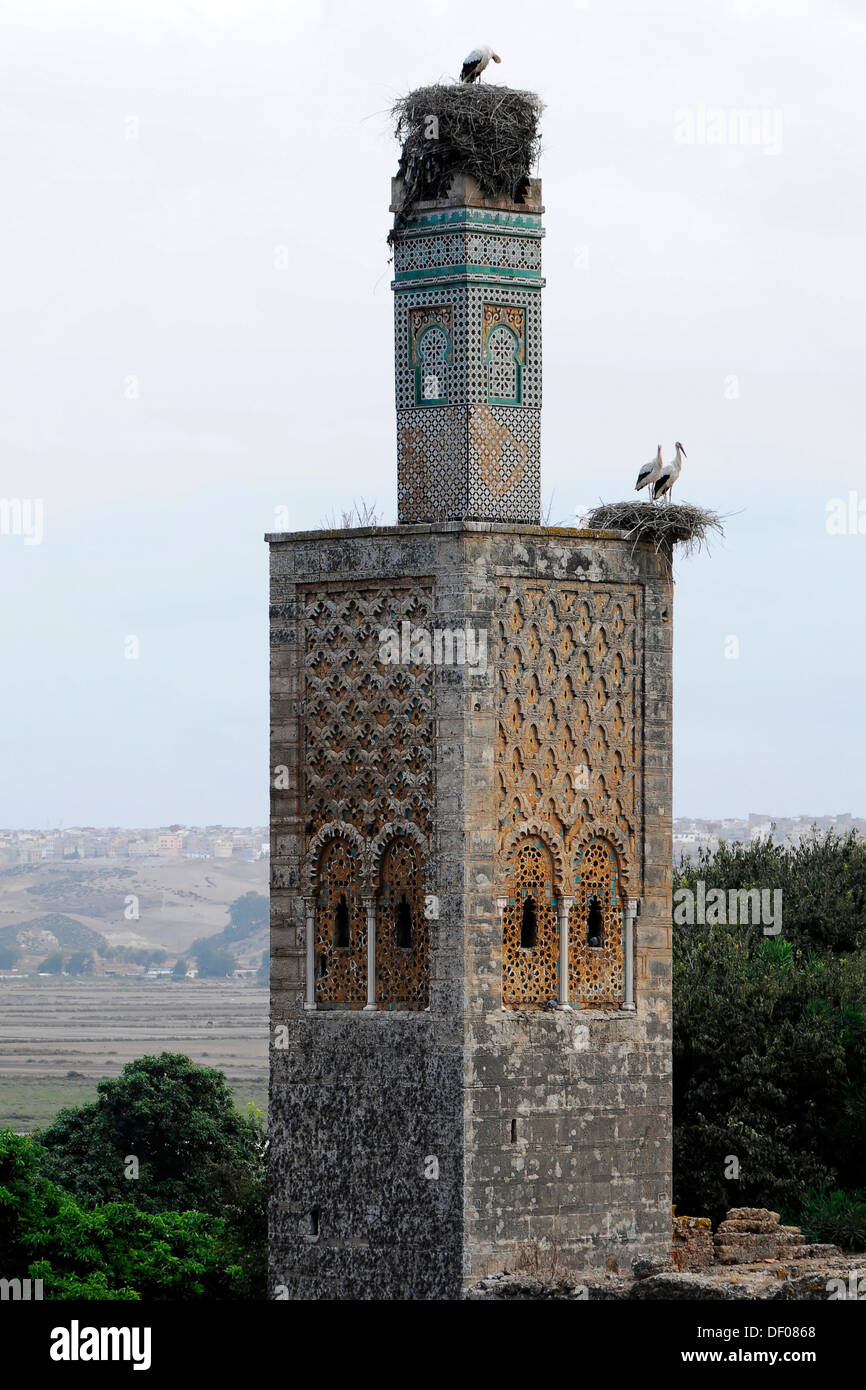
(470, 830)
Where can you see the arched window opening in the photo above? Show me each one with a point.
(529, 925)
(341, 924)
(594, 923)
(530, 932)
(403, 943)
(404, 924)
(595, 927)
(339, 930)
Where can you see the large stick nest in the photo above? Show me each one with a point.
(480, 129)
(663, 523)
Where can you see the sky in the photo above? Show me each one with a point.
(198, 345)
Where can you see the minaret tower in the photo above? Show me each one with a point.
(467, 346)
(470, 826)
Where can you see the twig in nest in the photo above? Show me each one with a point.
(663, 524)
(487, 131)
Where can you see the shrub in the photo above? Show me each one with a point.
(837, 1218)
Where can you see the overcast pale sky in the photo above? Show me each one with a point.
(167, 384)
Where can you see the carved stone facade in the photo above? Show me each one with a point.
(416, 808)
(367, 740)
(569, 692)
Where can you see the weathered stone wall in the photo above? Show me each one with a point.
(588, 1173)
(358, 1103)
(362, 1101)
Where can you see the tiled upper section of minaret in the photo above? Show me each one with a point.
(467, 325)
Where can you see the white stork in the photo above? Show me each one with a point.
(650, 471)
(669, 474)
(475, 62)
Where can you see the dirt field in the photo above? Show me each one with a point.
(49, 1028)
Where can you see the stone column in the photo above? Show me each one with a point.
(628, 972)
(565, 906)
(309, 947)
(370, 905)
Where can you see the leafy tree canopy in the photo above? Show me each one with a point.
(822, 881)
(769, 1064)
(116, 1251)
(248, 913)
(177, 1119)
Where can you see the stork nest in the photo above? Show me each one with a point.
(487, 131)
(664, 524)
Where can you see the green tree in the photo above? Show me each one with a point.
(213, 961)
(53, 964)
(8, 956)
(769, 1060)
(179, 971)
(194, 1151)
(115, 1252)
(176, 1118)
(148, 956)
(263, 974)
(247, 914)
(822, 881)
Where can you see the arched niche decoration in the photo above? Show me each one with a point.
(334, 830)
(596, 922)
(402, 928)
(339, 927)
(549, 837)
(396, 829)
(530, 933)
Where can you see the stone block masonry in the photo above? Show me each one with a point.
(692, 1242)
(748, 1234)
(471, 879)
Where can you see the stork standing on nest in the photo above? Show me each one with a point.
(650, 471)
(475, 62)
(669, 474)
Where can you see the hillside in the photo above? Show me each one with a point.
(53, 930)
(159, 903)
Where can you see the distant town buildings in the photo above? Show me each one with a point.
(34, 847)
(31, 848)
(692, 835)
(168, 844)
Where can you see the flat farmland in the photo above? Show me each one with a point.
(59, 1038)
